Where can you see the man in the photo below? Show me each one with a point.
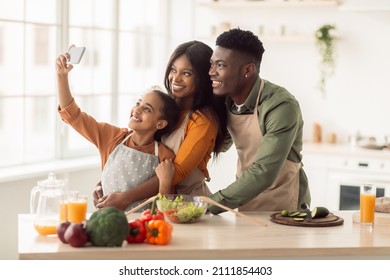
(266, 126)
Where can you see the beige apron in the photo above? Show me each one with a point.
(247, 136)
(194, 183)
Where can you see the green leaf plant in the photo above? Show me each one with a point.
(325, 44)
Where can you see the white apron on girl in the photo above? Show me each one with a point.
(247, 136)
(194, 183)
(126, 168)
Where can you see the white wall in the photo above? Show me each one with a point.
(357, 97)
(222, 170)
(358, 93)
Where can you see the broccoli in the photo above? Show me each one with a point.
(107, 227)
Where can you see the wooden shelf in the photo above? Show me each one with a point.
(272, 39)
(287, 39)
(224, 6)
(290, 38)
(269, 4)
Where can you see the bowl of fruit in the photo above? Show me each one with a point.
(180, 208)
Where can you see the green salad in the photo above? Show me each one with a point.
(180, 211)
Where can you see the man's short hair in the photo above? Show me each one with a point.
(243, 41)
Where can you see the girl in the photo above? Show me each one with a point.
(128, 156)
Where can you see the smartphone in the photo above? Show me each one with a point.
(76, 53)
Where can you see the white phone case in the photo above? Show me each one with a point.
(76, 53)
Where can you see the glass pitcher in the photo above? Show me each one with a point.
(50, 196)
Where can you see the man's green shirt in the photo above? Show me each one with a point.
(281, 123)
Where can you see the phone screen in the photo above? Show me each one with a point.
(76, 53)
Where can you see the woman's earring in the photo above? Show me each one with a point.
(246, 75)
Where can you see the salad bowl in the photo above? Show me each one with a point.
(180, 208)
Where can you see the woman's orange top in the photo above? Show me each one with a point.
(198, 144)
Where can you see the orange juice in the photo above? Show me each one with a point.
(367, 208)
(77, 210)
(46, 229)
(63, 212)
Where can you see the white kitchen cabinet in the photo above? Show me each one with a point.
(328, 167)
(316, 169)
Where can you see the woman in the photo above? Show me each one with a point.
(202, 129)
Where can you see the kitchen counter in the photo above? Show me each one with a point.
(226, 236)
(344, 150)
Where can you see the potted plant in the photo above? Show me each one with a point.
(325, 43)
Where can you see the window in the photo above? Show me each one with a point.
(125, 54)
(41, 45)
(1, 45)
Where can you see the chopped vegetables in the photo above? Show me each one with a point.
(180, 211)
(318, 212)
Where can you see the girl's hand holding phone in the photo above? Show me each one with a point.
(64, 62)
(75, 54)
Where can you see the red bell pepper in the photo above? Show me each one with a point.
(152, 214)
(137, 232)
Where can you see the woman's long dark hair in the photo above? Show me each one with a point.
(205, 101)
(169, 112)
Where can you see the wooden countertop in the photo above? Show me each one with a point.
(226, 236)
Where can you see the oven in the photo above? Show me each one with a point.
(347, 175)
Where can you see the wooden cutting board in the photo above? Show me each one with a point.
(380, 218)
(329, 221)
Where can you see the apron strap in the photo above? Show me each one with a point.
(258, 97)
(155, 144)
(127, 137)
(156, 148)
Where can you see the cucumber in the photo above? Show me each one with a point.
(293, 214)
(285, 213)
(299, 219)
(319, 212)
(302, 215)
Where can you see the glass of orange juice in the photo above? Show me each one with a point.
(367, 205)
(77, 208)
(64, 208)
